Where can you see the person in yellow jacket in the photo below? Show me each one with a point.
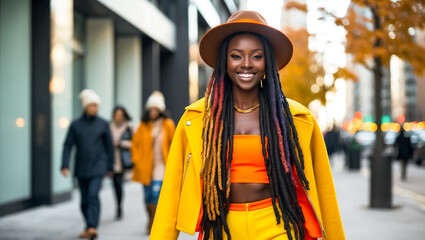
(246, 162)
(149, 149)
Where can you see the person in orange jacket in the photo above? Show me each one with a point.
(149, 149)
(246, 162)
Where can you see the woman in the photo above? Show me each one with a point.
(121, 132)
(150, 146)
(245, 162)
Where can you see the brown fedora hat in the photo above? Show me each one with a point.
(245, 21)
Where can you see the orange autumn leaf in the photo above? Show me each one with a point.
(296, 5)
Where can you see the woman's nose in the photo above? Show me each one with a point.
(246, 62)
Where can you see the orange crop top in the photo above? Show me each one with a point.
(248, 162)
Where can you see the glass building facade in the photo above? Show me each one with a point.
(50, 50)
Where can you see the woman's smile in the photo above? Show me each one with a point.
(246, 76)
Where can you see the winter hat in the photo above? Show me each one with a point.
(89, 96)
(156, 99)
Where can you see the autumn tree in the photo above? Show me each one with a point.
(304, 71)
(303, 79)
(385, 28)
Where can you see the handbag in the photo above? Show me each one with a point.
(126, 153)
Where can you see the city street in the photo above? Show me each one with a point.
(90, 87)
(404, 221)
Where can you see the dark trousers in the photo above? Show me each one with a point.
(118, 188)
(90, 204)
(404, 162)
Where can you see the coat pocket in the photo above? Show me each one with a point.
(190, 198)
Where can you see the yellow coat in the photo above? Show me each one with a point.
(180, 200)
(142, 150)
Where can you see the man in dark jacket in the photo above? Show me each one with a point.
(405, 151)
(93, 159)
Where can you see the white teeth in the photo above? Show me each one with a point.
(246, 75)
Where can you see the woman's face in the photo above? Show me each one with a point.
(118, 116)
(154, 113)
(245, 61)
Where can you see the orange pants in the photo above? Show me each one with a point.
(255, 221)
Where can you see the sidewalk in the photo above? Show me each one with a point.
(63, 221)
(405, 221)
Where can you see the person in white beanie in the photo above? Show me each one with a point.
(149, 148)
(94, 158)
(90, 101)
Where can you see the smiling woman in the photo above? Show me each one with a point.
(261, 170)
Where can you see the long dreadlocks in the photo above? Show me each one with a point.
(283, 148)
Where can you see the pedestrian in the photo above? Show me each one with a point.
(150, 146)
(122, 133)
(404, 151)
(332, 142)
(246, 162)
(94, 158)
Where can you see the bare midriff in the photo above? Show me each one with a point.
(249, 192)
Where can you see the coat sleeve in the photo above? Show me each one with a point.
(109, 147)
(135, 143)
(67, 147)
(171, 126)
(172, 130)
(164, 226)
(126, 144)
(331, 218)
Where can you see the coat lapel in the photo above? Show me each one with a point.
(193, 127)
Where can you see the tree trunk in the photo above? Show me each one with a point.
(381, 181)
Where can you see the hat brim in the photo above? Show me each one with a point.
(210, 42)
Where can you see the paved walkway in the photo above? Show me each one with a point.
(406, 221)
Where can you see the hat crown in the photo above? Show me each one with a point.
(247, 15)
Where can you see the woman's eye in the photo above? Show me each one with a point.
(234, 56)
(258, 57)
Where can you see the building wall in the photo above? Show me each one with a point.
(56, 48)
(128, 85)
(60, 87)
(293, 18)
(420, 83)
(398, 84)
(15, 107)
(99, 64)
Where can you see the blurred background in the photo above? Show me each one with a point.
(357, 65)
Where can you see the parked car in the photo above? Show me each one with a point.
(367, 140)
(418, 143)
